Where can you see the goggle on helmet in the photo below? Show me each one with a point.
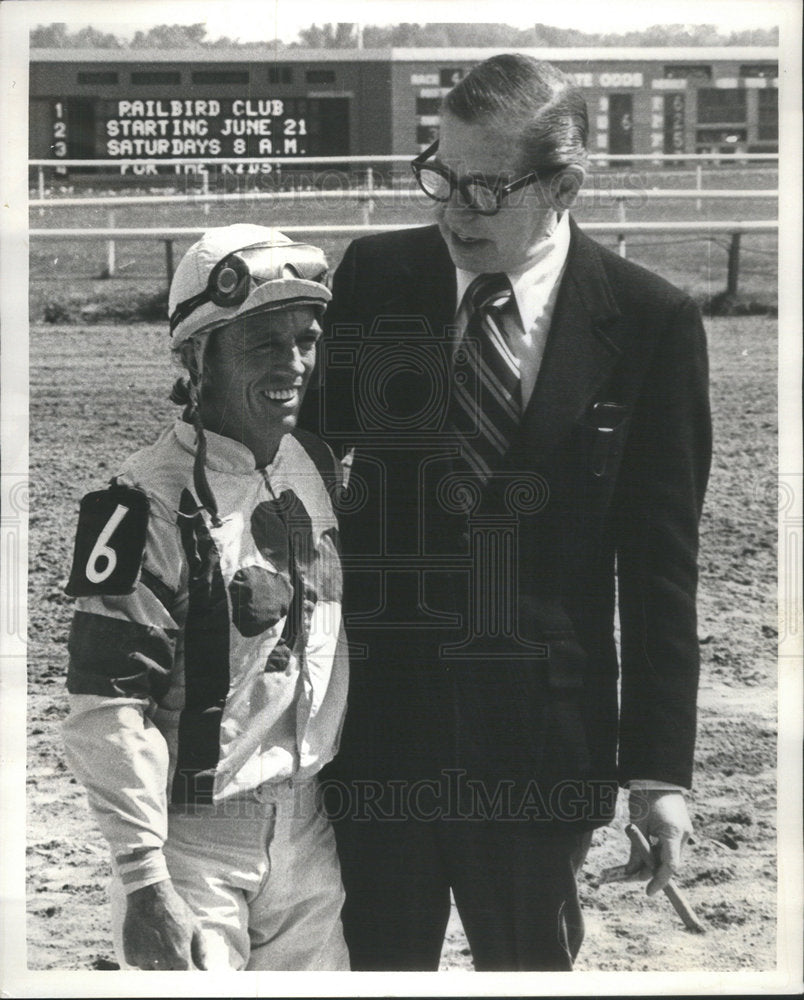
(255, 278)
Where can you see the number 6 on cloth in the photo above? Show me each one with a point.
(109, 543)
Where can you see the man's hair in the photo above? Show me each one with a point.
(540, 103)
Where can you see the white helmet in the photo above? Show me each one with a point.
(242, 269)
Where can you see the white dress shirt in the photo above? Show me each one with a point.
(535, 290)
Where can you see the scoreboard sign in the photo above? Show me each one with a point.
(226, 127)
(219, 128)
(674, 123)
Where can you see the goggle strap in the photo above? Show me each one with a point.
(186, 308)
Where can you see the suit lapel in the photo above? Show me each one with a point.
(439, 287)
(582, 348)
(427, 284)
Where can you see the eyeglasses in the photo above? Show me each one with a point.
(438, 182)
(234, 278)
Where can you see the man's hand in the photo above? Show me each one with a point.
(663, 815)
(160, 932)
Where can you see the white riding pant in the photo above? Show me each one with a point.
(261, 875)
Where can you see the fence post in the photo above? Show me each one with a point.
(110, 250)
(205, 186)
(734, 264)
(698, 183)
(368, 203)
(169, 260)
(41, 185)
(621, 236)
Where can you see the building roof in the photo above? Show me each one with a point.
(684, 54)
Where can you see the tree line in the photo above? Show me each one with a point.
(350, 36)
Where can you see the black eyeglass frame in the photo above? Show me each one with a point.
(461, 184)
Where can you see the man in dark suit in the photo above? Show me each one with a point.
(527, 416)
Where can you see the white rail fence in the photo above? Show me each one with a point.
(168, 235)
(367, 196)
(603, 159)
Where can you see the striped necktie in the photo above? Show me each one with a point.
(486, 403)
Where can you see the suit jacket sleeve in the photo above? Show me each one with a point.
(665, 470)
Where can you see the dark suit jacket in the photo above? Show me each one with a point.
(485, 642)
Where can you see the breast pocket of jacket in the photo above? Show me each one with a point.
(603, 429)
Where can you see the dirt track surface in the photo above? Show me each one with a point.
(98, 393)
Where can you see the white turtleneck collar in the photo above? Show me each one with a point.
(224, 454)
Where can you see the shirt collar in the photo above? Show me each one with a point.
(532, 284)
(223, 454)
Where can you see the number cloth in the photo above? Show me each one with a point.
(109, 542)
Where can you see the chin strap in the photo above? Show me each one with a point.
(185, 393)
